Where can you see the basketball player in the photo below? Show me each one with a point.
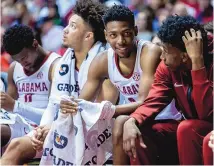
(186, 73)
(129, 64)
(29, 79)
(84, 30)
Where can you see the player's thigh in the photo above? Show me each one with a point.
(21, 147)
(5, 134)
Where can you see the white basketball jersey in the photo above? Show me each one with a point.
(127, 85)
(34, 89)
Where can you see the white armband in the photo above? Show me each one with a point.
(31, 113)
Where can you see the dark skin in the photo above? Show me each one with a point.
(31, 59)
(121, 37)
(174, 59)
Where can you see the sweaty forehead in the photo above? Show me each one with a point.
(118, 26)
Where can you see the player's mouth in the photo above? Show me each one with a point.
(122, 49)
(27, 67)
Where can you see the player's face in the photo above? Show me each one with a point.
(120, 35)
(74, 32)
(171, 56)
(27, 58)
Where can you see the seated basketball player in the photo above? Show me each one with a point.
(29, 79)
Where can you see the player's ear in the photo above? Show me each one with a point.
(89, 35)
(35, 43)
(184, 57)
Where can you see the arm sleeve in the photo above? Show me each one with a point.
(203, 92)
(49, 114)
(31, 113)
(160, 95)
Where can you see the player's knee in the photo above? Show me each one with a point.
(118, 128)
(16, 146)
(185, 128)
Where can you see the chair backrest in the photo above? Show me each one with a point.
(4, 79)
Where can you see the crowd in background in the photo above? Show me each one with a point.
(48, 18)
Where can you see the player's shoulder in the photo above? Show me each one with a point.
(150, 47)
(12, 67)
(102, 57)
(52, 68)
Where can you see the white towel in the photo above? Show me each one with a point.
(77, 153)
(81, 139)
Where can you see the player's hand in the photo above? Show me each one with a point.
(37, 144)
(211, 141)
(130, 135)
(42, 132)
(194, 45)
(69, 106)
(39, 136)
(7, 102)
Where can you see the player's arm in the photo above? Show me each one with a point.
(8, 99)
(12, 90)
(98, 71)
(107, 92)
(49, 113)
(150, 58)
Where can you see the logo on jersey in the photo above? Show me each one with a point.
(40, 75)
(63, 69)
(60, 141)
(69, 88)
(136, 76)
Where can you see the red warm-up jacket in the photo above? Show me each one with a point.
(192, 90)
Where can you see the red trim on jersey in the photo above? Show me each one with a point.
(45, 59)
(118, 67)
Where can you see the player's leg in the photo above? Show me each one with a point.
(19, 151)
(160, 139)
(119, 156)
(5, 134)
(190, 137)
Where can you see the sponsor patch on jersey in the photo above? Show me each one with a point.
(63, 69)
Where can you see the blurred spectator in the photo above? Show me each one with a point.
(156, 4)
(54, 13)
(205, 11)
(51, 35)
(8, 16)
(179, 9)
(136, 6)
(23, 16)
(36, 8)
(161, 15)
(65, 6)
(144, 24)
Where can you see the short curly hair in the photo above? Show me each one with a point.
(174, 27)
(16, 38)
(92, 12)
(119, 13)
